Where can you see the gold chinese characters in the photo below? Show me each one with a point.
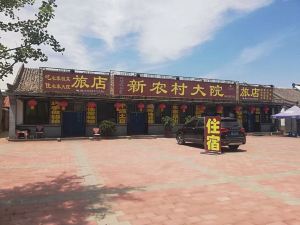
(212, 134)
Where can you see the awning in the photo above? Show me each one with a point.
(293, 113)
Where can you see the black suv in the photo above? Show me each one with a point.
(232, 134)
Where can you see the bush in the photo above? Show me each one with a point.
(168, 122)
(107, 128)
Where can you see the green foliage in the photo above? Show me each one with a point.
(33, 33)
(107, 128)
(187, 119)
(168, 122)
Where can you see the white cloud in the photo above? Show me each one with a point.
(161, 30)
(254, 53)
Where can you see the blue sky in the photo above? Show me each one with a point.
(273, 32)
(256, 41)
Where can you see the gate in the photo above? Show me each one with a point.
(137, 123)
(73, 124)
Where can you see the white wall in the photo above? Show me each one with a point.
(20, 111)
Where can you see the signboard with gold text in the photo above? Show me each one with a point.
(212, 133)
(171, 88)
(55, 81)
(255, 93)
(55, 112)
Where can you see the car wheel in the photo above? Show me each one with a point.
(234, 147)
(180, 139)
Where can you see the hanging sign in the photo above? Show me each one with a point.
(55, 112)
(150, 112)
(175, 114)
(91, 113)
(122, 114)
(212, 134)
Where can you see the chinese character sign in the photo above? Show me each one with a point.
(155, 87)
(175, 114)
(55, 112)
(255, 93)
(54, 81)
(212, 133)
(122, 114)
(150, 113)
(90, 115)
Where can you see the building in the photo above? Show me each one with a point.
(4, 112)
(288, 97)
(72, 102)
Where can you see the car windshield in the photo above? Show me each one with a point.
(229, 123)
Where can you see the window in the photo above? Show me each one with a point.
(201, 122)
(106, 111)
(159, 114)
(38, 115)
(193, 123)
(190, 111)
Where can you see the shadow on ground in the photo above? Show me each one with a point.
(224, 149)
(63, 200)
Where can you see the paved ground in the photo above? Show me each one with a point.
(149, 181)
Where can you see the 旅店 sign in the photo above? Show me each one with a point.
(75, 83)
(171, 88)
(212, 133)
(255, 93)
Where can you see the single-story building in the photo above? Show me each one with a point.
(4, 112)
(287, 97)
(71, 103)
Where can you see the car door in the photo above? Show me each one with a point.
(198, 132)
(189, 130)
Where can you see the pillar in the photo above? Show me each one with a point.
(12, 117)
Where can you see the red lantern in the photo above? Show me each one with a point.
(252, 109)
(201, 108)
(238, 109)
(183, 108)
(91, 105)
(63, 104)
(141, 106)
(32, 103)
(219, 109)
(162, 106)
(118, 105)
(266, 109)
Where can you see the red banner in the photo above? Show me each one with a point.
(55, 81)
(255, 93)
(212, 133)
(171, 88)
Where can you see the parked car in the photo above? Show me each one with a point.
(232, 134)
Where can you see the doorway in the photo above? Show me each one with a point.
(73, 124)
(137, 123)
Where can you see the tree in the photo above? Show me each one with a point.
(33, 33)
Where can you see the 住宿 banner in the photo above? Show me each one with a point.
(212, 133)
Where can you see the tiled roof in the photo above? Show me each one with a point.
(287, 95)
(30, 81)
